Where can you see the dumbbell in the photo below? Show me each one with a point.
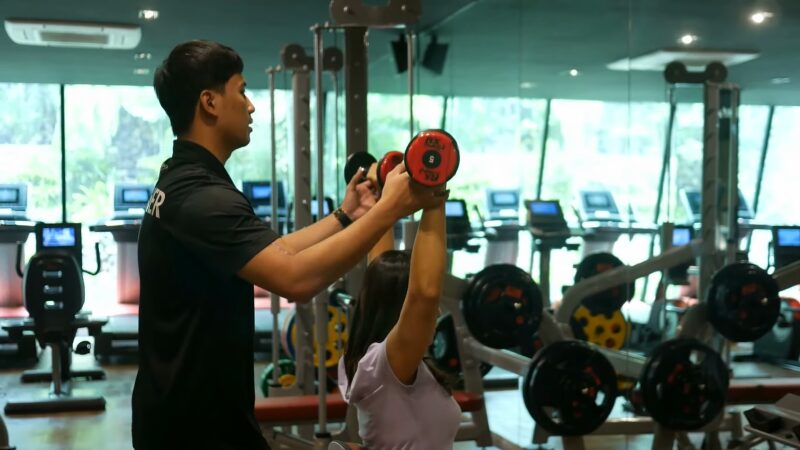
(431, 159)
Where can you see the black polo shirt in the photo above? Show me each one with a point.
(195, 385)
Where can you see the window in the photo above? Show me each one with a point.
(778, 203)
(114, 134)
(30, 145)
(500, 142)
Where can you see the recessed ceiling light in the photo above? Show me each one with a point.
(148, 14)
(780, 80)
(141, 71)
(527, 85)
(688, 39)
(573, 72)
(142, 56)
(760, 17)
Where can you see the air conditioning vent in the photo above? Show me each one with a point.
(73, 34)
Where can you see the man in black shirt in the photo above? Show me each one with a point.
(201, 249)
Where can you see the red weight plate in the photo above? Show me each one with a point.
(432, 157)
(389, 161)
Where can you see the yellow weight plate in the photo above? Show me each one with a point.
(605, 331)
(337, 337)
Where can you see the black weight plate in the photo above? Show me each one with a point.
(356, 160)
(444, 348)
(471, 303)
(611, 299)
(684, 384)
(502, 306)
(743, 302)
(570, 388)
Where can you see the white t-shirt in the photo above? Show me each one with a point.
(395, 416)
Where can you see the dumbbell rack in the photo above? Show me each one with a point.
(472, 353)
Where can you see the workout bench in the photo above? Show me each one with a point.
(303, 410)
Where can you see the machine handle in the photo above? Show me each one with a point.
(579, 217)
(97, 258)
(480, 218)
(18, 265)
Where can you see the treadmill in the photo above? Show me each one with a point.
(120, 336)
(15, 227)
(549, 231)
(601, 221)
(259, 193)
(459, 230)
(502, 226)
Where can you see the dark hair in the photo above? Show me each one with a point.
(189, 69)
(377, 308)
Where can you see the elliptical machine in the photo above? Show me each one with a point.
(53, 294)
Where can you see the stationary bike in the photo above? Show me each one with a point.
(53, 294)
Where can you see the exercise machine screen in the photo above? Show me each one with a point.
(505, 199)
(454, 208)
(140, 196)
(326, 209)
(130, 200)
(9, 196)
(788, 237)
(13, 200)
(693, 203)
(58, 237)
(599, 205)
(502, 204)
(786, 245)
(544, 208)
(681, 236)
(260, 193)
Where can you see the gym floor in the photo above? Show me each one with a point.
(111, 430)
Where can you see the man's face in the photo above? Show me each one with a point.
(235, 112)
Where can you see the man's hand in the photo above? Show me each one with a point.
(359, 197)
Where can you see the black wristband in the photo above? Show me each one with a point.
(342, 217)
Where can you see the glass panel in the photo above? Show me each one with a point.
(778, 203)
(114, 135)
(30, 145)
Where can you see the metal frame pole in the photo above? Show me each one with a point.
(729, 134)
(275, 306)
(293, 58)
(321, 300)
(709, 220)
(665, 163)
(410, 62)
(355, 81)
(543, 155)
(761, 162)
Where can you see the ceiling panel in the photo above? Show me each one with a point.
(495, 45)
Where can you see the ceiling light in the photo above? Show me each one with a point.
(141, 71)
(780, 80)
(688, 39)
(527, 85)
(573, 72)
(694, 58)
(760, 17)
(148, 14)
(142, 56)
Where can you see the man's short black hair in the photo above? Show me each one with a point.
(189, 69)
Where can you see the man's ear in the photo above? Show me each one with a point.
(207, 102)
